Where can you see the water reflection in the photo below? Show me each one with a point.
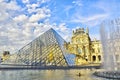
(85, 74)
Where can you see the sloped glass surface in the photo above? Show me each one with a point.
(45, 50)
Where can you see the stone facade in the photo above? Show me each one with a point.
(85, 50)
(6, 55)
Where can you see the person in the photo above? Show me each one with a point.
(79, 74)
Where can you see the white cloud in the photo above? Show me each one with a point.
(111, 8)
(44, 1)
(64, 31)
(6, 9)
(31, 7)
(1, 1)
(11, 6)
(37, 17)
(18, 29)
(20, 18)
(96, 17)
(95, 36)
(78, 2)
(63, 27)
(25, 1)
(91, 20)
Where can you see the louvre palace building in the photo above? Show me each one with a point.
(86, 51)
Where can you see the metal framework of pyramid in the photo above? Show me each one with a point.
(45, 50)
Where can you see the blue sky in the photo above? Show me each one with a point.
(21, 21)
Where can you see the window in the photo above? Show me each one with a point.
(94, 58)
(93, 50)
(99, 58)
(79, 51)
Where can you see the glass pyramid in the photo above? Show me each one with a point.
(45, 50)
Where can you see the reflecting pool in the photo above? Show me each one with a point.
(73, 74)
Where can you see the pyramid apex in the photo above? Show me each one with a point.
(51, 29)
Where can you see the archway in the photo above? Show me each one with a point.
(94, 58)
(99, 58)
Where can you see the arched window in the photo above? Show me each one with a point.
(93, 50)
(99, 57)
(79, 51)
(94, 58)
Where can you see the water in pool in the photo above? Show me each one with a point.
(73, 74)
